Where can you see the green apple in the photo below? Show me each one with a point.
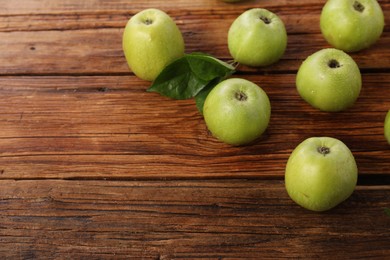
(257, 38)
(151, 41)
(329, 80)
(237, 111)
(321, 173)
(352, 25)
(387, 127)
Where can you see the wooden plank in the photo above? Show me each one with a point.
(100, 52)
(297, 20)
(49, 43)
(298, 16)
(34, 7)
(94, 167)
(164, 220)
(110, 127)
(73, 6)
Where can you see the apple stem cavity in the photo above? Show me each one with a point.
(358, 6)
(265, 19)
(148, 21)
(333, 64)
(323, 150)
(241, 96)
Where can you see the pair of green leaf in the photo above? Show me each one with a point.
(193, 75)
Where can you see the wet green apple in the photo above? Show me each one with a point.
(352, 25)
(151, 41)
(321, 173)
(237, 111)
(329, 80)
(257, 38)
(387, 127)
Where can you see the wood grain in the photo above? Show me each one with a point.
(95, 39)
(66, 125)
(94, 167)
(183, 219)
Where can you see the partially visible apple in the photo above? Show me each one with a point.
(352, 25)
(387, 127)
(329, 80)
(257, 38)
(151, 41)
(237, 111)
(321, 173)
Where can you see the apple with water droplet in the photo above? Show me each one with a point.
(321, 173)
(257, 38)
(352, 25)
(237, 111)
(329, 80)
(151, 41)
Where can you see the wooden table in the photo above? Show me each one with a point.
(94, 167)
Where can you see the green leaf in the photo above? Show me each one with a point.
(177, 81)
(202, 95)
(187, 76)
(387, 211)
(207, 67)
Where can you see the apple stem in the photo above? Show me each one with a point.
(358, 6)
(323, 150)
(334, 64)
(266, 20)
(148, 21)
(240, 96)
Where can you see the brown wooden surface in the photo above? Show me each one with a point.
(94, 167)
